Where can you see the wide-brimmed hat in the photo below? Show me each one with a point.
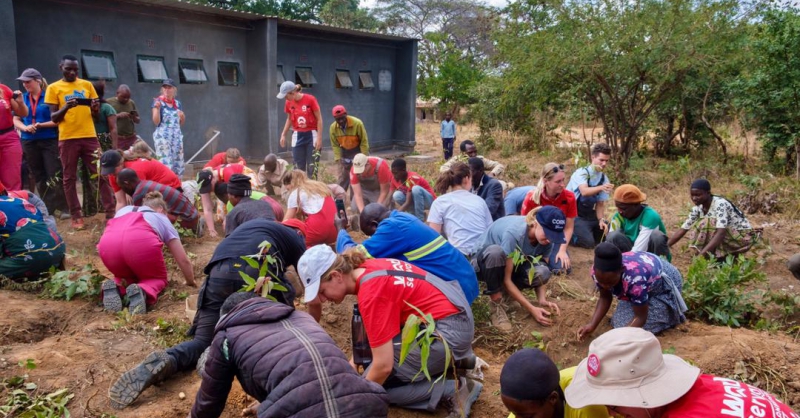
(626, 367)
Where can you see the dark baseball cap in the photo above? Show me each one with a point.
(553, 221)
(109, 162)
(204, 181)
(30, 74)
(168, 82)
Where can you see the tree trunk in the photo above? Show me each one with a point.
(797, 157)
(713, 132)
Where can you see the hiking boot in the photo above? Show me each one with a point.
(136, 299)
(459, 404)
(498, 316)
(112, 302)
(512, 304)
(77, 224)
(156, 367)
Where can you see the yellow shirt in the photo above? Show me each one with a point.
(77, 121)
(593, 411)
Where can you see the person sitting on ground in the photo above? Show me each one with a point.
(469, 150)
(245, 208)
(370, 181)
(33, 199)
(488, 188)
(627, 371)
(131, 249)
(591, 188)
(410, 191)
(532, 386)
(270, 175)
(179, 208)
(459, 215)
(551, 192)
(311, 201)
(718, 227)
(394, 234)
(647, 287)
(636, 226)
(229, 156)
(531, 237)
(224, 278)
(793, 264)
(388, 292)
(251, 341)
(113, 161)
(28, 247)
(514, 198)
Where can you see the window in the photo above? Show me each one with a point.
(151, 69)
(98, 65)
(304, 76)
(343, 79)
(281, 77)
(365, 80)
(192, 71)
(229, 74)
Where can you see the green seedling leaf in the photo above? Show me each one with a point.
(409, 334)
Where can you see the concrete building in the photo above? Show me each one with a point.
(228, 65)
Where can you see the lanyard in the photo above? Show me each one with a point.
(33, 106)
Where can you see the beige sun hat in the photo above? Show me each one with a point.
(626, 367)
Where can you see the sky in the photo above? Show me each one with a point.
(495, 3)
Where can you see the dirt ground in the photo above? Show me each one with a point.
(78, 346)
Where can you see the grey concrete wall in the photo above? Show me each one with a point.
(127, 30)
(404, 118)
(8, 44)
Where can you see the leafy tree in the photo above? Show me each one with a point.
(347, 14)
(306, 10)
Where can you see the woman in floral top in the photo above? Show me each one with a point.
(718, 228)
(168, 117)
(647, 287)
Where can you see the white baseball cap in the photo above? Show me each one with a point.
(286, 88)
(312, 265)
(359, 163)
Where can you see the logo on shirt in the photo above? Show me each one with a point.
(76, 94)
(301, 121)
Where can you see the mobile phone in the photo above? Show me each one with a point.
(134, 112)
(83, 102)
(14, 95)
(340, 206)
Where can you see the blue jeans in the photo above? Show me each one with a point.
(422, 200)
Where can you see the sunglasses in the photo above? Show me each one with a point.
(557, 168)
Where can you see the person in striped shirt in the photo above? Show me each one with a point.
(178, 206)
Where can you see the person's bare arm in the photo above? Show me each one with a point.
(208, 213)
(676, 236)
(562, 250)
(156, 113)
(318, 115)
(290, 213)
(539, 314)
(57, 115)
(639, 315)
(436, 227)
(357, 195)
(122, 199)
(714, 242)
(285, 130)
(600, 311)
(408, 203)
(19, 124)
(176, 248)
(382, 363)
(384, 197)
(17, 105)
(112, 130)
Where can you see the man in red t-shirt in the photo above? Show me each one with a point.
(370, 181)
(230, 156)
(627, 371)
(112, 162)
(410, 190)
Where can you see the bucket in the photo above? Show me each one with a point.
(191, 306)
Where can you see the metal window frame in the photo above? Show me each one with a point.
(365, 80)
(140, 73)
(239, 74)
(182, 76)
(343, 80)
(299, 79)
(99, 54)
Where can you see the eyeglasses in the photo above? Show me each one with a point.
(557, 168)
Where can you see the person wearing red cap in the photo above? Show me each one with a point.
(348, 138)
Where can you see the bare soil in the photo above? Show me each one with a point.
(78, 346)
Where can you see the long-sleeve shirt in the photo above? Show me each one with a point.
(448, 129)
(491, 191)
(490, 166)
(350, 141)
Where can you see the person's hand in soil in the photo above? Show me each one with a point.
(251, 410)
(584, 331)
(541, 316)
(551, 305)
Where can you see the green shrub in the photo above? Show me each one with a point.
(67, 284)
(724, 293)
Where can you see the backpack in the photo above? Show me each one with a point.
(586, 204)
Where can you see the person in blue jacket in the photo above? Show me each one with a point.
(402, 236)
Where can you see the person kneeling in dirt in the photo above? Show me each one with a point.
(224, 278)
(316, 380)
(718, 228)
(627, 372)
(532, 386)
(648, 289)
(636, 226)
(388, 292)
(131, 250)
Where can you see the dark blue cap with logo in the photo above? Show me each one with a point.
(553, 221)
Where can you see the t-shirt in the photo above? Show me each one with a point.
(39, 112)
(272, 177)
(644, 224)
(564, 201)
(588, 175)
(413, 179)
(287, 246)
(160, 223)
(6, 117)
(384, 301)
(301, 113)
(384, 173)
(641, 275)
(591, 411)
(463, 216)
(149, 170)
(514, 198)
(225, 171)
(101, 119)
(511, 234)
(308, 204)
(125, 126)
(718, 397)
(219, 159)
(177, 204)
(448, 129)
(77, 121)
(721, 212)
(491, 191)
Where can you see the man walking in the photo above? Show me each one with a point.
(127, 116)
(348, 138)
(448, 133)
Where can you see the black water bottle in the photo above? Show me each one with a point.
(362, 353)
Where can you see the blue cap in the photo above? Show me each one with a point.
(168, 82)
(552, 220)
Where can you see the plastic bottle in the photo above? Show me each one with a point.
(362, 353)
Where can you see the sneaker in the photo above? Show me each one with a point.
(136, 300)
(460, 403)
(156, 367)
(498, 316)
(77, 224)
(112, 301)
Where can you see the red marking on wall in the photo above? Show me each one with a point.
(191, 47)
(150, 43)
(228, 51)
(97, 38)
(303, 58)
